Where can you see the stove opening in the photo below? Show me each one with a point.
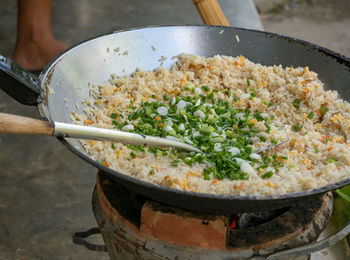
(252, 219)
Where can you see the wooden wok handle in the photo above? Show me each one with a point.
(12, 124)
(211, 12)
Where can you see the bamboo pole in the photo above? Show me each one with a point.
(211, 12)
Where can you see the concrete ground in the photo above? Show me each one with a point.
(46, 190)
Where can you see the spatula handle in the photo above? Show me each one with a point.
(12, 124)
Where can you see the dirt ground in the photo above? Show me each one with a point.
(324, 22)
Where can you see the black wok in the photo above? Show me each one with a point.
(92, 62)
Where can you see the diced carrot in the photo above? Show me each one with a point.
(253, 121)
(192, 66)
(88, 122)
(235, 63)
(158, 118)
(214, 181)
(160, 125)
(330, 148)
(104, 163)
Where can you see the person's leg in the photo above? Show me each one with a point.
(35, 45)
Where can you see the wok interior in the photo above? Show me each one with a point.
(121, 53)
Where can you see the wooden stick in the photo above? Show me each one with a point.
(12, 124)
(211, 12)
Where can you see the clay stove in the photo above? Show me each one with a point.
(134, 227)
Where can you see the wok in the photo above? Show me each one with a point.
(68, 76)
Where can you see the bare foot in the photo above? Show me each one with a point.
(34, 55)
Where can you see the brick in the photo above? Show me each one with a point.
(182, 227)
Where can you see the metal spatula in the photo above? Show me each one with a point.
(13, 124)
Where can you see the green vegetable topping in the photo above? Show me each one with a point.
(332, 160)
(222, 131)
(310, 115)
(113, 146)
(297, 128)
(266, 103)
(296, 103)
(114, 116)
(324, 109)
(248, 83)
(267, 175)
(262, 138)
(205, 88)
(273, 141)
(98, 161)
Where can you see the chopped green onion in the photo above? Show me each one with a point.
(205, 88)
(267, 175)
(99, 161)
(332, 160)
(248, 83)
(114, 116)
(297, 128)
(273, 141)
(188, 160)
(175, 163)
(218, 139)
(324, 109)
(262, 138)
(113, 146)
(204, 132)
(296, 103)
(151, 172)
(310, 115)
(132, 154)
(266, 103)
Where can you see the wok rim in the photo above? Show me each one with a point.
(45, 75)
